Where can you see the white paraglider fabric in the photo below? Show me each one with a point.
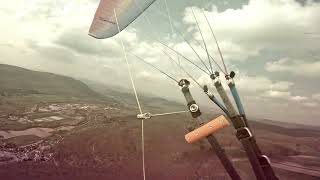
(104, 23)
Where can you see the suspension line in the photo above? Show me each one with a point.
(141, 59)
(205, 45)
(187, 59)
(137, 99)
(216, 41)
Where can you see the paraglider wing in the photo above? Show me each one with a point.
(104, 22)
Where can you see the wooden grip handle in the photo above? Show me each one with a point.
(207, 129)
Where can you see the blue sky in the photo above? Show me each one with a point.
(273, 45)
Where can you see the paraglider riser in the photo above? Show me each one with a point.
(191, 103)
(216, 147)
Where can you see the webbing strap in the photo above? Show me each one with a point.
(264, 161)
(253, 158)
(225, 161)
(255, 155)
(221, 154)
(242, 132)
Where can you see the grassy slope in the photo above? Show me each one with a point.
(126, 97)
(16, 80)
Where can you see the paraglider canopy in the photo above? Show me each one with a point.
(104, 23)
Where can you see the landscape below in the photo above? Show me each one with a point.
(56, 127)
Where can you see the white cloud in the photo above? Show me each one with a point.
(284, 95)
(281, 85)
(299, 98)
(52, 36)
(260, 25)
(261, 83)
(260, 86)
(205, 80)
(144, 74)
(296, 67)
(316, 96)
(310, 104)
(278, 94)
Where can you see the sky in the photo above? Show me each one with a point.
(272, 45)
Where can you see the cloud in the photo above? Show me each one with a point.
(278, 94)
(52, 36)
(316, 97)
(57, 54)
(261, 83)
(281, 85)
(284, 95)
(295, 67)
(78, 40)
(259, 25)
(299, 98)
(260, 86)
(310, 104)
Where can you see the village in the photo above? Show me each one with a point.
(40, 128)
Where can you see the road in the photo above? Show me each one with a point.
(293, 167)
(289, 166)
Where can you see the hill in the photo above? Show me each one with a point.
(149, 102)
(19, 81)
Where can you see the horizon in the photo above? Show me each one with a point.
(205, 108)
